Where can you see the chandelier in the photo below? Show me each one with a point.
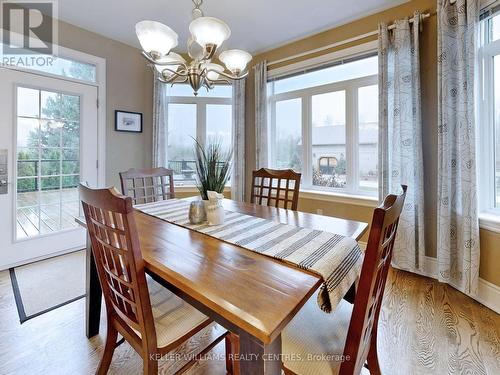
(207, 35)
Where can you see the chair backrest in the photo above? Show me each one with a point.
(278, 188)
(115, 245)
(363, 325)
(148, 185)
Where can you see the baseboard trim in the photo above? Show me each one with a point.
(488, 293)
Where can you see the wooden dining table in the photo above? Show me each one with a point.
(252, 295)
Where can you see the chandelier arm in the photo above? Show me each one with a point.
(221, 81)
(208, 82)
(183, 80)
(161, 79)
(148, 57)
(208, 52)
(155, 62)
(172, 63)
(173, 78)
(176, 73)
(232, 77)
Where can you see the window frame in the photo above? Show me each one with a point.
(485, 150)
(201, 104)
(350, 87)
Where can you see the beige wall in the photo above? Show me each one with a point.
(490, 256)
(129, 87)
(489, 252)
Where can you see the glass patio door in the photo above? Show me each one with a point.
(49, 129)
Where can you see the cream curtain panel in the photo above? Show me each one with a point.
(160, 129)
(238, 175)
(458, 226)
(400, 136)
(261, 132)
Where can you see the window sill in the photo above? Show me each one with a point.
(328, 196)
(490, 222)
(194, 189)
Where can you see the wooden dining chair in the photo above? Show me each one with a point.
(148, 185)
(278, 188)
(148, 316)
(341, 342)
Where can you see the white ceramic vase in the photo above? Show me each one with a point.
(214, 208)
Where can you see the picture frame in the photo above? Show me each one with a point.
(129, 122)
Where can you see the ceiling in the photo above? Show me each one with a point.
(256, 25)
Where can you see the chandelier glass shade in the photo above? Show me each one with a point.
(171, 58)
(156, 37)
(207, 36)
(209, 31)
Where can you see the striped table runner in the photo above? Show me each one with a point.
(337, 259)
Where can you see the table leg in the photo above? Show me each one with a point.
(93, 294)
(258, 358)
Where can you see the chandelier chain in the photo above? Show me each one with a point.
(197, 3)
(197, 12)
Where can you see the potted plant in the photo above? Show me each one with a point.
(213, 167)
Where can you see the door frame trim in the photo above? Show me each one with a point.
(100, 64)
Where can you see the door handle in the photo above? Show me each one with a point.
(4, 179)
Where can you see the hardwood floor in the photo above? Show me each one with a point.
(425, 328)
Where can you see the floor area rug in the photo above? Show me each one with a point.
(45, 285)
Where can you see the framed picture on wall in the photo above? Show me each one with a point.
(128, 121)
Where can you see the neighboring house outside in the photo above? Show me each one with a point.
(329, 152)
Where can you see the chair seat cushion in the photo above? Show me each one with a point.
(313, 342)
(173, 317)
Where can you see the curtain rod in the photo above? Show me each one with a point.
(336, 44)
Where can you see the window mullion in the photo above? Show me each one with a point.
(355, 139)
(306, 140)
(272, 145)
(350, 139)
(485, 143)
(201, 123)
(487, 198)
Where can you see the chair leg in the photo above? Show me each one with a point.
(229, 351)
(373, 364)
(232, 344)
(150, 366)
(109, 349)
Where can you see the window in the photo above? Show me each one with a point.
(288, 139)
(48, 161)
(489, 129)
(324, 124)
(205, 118)
(58, 66)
